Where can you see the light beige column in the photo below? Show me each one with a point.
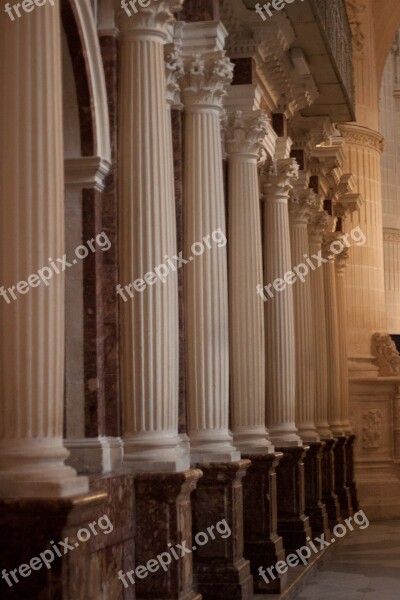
(149, 320)
(279, 315)
(32, 231)
(332, 334)
(302, 202)
(365, 287)
(246, 310)
(318, 224)
(207, 74)
(340, 269)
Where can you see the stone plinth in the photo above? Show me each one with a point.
(293, 524)
(263, 547)
(315, 508)
(220, 568)
(329, 497)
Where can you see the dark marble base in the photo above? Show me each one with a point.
(87, 571)
(314, 507)
(293, 524)
(221, 570)
(164, 520)
(329, 497)
(341, 489)
(263, 547)
(350, 477)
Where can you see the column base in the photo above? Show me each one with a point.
(263, 547)
(95, 455)
(212, 446)
(314, 507)
(350, 479)
(293, 524)
(152, 454)
(40, 474)
(163, 520)
(341, 489)
(329, 497)
(220, 568)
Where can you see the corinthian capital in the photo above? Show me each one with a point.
(206, 79)
(342, 260)
(318, 225)
(280, 175)
(154, 18)
(173, 72)
(245, 133)
(301, 205)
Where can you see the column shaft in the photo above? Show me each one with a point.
(247, 339)
(149, 319)
(206, 281)
(280, 336)
(32, 232)
(301, 204)
(316, 228)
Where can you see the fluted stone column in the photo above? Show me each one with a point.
(247, 340)
(32, 230)
(332, 331)
(334, 372)
(149, 320)
(301, 204)
(316, 229)
(280, 337)
(365, 287)
(319, 223)
(340, 266)
(206, 284)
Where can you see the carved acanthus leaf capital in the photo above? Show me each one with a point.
(279, 176)
(302, 205)
(318, 225)
(153, 19)
(173, 72)
(245, 134)
(206, 79)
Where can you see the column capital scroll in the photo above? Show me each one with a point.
(245, 133)
(153, 19)
(206, 78)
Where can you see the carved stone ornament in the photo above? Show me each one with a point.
(206, 79)
(355, 8)
(372, 430)
(386, 354)
(245, 133)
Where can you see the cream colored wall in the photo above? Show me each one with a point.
(390, 127)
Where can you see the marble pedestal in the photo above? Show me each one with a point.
(350, 477)
(88, 570)
(220, 568)
(293, 524)
(163, 520)
(263, 547)
(341, 489)
(329, 497)
(314, 507)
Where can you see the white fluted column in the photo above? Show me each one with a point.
(301, 203)
(280, 336)
(318, 224)
(340, 266)
(149, 321)
(206, 284)
(32, 230)
(332, 334)
(246, 310)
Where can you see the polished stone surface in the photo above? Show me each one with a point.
(365, 566)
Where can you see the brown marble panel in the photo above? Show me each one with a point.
(222, 571)
(314, 507)
(293, 524)
(164, 519)
(263, 547)
(341, 489)
(329, 497)
(350, 477)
